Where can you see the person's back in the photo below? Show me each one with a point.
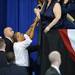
(12, 68)
(55, 60)
(3, 60)
(52, 71)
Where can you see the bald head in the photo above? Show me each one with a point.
(54, 57)
(8, 32)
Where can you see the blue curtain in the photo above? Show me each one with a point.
(20, 15)
(3, 13)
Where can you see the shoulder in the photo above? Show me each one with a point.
(51, 71)
(57, 4)
(48, 71)
(18, 44)
(5, 39)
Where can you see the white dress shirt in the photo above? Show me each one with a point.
(21, 53)
(57, 69)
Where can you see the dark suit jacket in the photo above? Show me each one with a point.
(13, 69)
(52, 71)
(9, 45)
(3, 60)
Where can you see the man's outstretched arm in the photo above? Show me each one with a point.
(31, 30)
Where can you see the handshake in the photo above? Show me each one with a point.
(37, 11)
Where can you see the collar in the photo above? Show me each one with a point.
(3, 50)
(9, 39)
(0, 37)
(56, 68)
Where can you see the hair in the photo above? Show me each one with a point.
(10, 57)
(40, 1)
(15, 37)
(53, 56)
(18, 37)
(38, 6)
(2, 43)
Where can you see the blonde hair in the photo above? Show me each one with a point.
(17, 35)
(54, 56)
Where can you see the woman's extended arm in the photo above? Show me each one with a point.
(57, 13)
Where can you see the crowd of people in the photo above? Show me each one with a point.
(51, 15)
(14, 58)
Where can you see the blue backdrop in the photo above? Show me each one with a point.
(18, 14)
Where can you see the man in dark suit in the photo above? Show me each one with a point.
(55, 60)
(12, 68)
(3, 60)
(8, 35)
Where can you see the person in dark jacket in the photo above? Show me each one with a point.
(8, 35)
(3, 60)
(55, 60)
(12, 68)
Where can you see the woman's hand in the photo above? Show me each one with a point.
(37, 12)
(46, 29)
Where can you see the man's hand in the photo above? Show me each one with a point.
(46, 29)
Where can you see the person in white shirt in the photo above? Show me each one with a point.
(21, 52)
(21, 44)
(55, 60)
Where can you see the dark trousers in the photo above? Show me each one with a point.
(29, 70)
